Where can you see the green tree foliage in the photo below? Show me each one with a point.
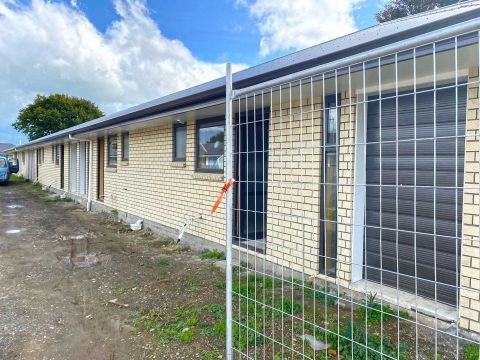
(49, 114)
(395, 9)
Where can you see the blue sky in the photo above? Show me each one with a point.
(119, 53)
(214, 30)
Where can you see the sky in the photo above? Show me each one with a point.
(120, 53)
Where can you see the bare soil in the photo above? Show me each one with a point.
(59, 268)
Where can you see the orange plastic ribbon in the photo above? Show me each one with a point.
(220, 196)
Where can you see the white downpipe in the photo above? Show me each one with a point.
(229, 215)
(90, 176)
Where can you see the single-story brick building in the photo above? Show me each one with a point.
(356, 160)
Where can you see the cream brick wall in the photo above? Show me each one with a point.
(150, 185)
(470, 262)
(48, 172)
(346, 156)
(294, 177)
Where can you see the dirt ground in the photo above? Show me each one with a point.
(60, 267)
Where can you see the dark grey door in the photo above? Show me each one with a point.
(427, 179)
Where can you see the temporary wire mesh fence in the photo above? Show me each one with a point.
(356, 210)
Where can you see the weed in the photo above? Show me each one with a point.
(118, 290)
(161, 263)
(471, 351)
(216, 308)
(114, 212)
(215, 255)
(208, 331)
(375, 312)
(186, 336)
(37, 186)
(17, 178)
(179, 327)
(156, 277)
(319, 295)
(211, 355)
(354, 343)
(247, 334)
(289, 307)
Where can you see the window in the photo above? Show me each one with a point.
(179, 142)
(125, 140)
(330, 176)
(112, 151)
(53, 153)
(210, 145)
(57, 155)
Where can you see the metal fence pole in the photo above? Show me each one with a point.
(229, 175)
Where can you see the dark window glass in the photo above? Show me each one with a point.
(179, 142)
(57, 155)
(210, 146)
(125, 140)
(112, 151)
(53, 153)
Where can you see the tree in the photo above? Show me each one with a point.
(396, 9)
(49, 114)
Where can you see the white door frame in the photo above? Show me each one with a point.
(83, 168)
(73, 167)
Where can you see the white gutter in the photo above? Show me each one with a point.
(440, 34)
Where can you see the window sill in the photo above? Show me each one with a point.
(111, 169)
(124, 163)
(178, 164)
(208, 176)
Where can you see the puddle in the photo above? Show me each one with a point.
(14, 206)
(12, 231)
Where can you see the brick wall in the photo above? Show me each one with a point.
(470, 263)
(150, 185)
(346, 156)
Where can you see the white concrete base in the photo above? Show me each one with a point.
(408, 301)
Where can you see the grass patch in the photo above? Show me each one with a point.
(211, 355)
(17, 178)
(160, 263)
(117, 290)
(471, 351)
(36, 186)
(179, 327)
(319, 295)
(213, 255)
(375, 312)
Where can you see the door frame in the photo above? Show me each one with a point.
(73, 167)
(100, 168)
(62, 166)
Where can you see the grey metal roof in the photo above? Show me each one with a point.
(5, 146)
(348, 45)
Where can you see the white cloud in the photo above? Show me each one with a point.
(48, 47)
(287, 24)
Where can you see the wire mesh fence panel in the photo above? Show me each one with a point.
(356, 210)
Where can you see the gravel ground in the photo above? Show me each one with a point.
(60, 267)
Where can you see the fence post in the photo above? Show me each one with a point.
(229, 175)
